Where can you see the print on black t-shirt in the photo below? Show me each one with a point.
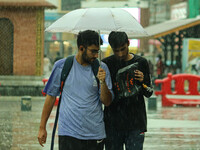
(126, 84)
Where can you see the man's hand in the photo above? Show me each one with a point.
(139, 76)
(105, 95)
(101, 75)
(47, 108)
(42, 136)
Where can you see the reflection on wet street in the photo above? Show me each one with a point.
(169, 128)
(19, 129)
(173, 128)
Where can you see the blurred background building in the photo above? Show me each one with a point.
(22, 36)
(22, 46)
(171, 22)
(173, 27)
(149, 13)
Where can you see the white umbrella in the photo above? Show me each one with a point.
(103, 20)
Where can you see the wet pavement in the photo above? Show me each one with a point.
(173, 128)
(169, 128)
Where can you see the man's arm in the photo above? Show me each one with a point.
(106, 96)
(47, 108)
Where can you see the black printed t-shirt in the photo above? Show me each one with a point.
(127, 113)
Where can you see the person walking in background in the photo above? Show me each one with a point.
(47, 67)
(159, 67)
(58, 57)
(80, 122)
(125, 119)
(151, 68)
(198, 66)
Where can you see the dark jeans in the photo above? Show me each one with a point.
(115, 140)
(71, 143)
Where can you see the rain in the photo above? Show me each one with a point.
(164, 32)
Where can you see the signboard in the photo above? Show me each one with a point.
(179, 11)
(191, 53)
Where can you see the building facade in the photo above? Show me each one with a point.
(22, 37)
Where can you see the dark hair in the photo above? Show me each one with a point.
(58, 53)
(159, 56)
(117, 39)
(87, 38)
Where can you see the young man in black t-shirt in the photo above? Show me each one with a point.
(125, 119)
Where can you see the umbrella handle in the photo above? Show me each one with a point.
(99, 48)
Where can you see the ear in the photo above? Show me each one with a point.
(81, 48)
(128, 42)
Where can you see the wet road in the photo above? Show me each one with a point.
(173, 128)
(169, 128)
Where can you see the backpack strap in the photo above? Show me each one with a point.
(65, 71)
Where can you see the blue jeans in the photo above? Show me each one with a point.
(115, 140)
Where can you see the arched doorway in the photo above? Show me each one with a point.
(6, 47)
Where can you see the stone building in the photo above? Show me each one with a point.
(22, 36)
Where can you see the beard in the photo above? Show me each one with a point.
(86, 59)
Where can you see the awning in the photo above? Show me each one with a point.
(26, 3)
(171, 26)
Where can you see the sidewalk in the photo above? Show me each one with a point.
(169, 128)
(173, 128)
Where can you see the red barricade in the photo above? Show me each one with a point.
(44, 94)
(191, 97)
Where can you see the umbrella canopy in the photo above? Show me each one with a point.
(103, 20)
